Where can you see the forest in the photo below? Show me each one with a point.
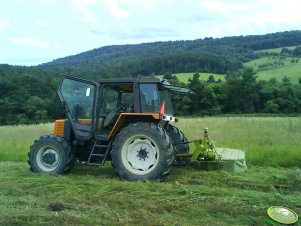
(28, 94)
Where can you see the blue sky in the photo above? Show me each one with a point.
(38, 31)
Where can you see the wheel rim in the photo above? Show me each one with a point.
(47, 158)
(140, 154)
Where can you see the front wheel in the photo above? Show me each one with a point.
(142, 151)
(50, 155)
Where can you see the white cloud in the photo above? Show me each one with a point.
(27, 41)
(256, 16)
(41, 23)
(115, 10)
(48, 2)
(4, 25)
(81, 7)
(18, 3)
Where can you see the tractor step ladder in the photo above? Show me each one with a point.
(99, 153)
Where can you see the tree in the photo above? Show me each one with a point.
(196, 86)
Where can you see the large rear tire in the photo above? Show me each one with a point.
(142, 151)
(180, 144)
(50, 155)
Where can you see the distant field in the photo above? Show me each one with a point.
(293, 71)
(183, 77)
(276, 50)
(96, 196)
(287, 68)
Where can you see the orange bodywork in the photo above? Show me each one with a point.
(59, 127)
(59, 124)
(123, 116)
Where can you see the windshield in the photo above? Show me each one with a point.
(165, 95)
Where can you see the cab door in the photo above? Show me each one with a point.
(79, 98)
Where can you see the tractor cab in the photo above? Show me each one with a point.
(93, 108)
(125, 121)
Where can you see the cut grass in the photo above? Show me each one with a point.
(96, 196)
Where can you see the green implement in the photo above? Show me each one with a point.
(207, 157)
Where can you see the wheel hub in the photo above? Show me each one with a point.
(49, 158)
(142, 154)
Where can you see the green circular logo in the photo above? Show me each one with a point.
(282, 215)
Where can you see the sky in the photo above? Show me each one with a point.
(37, 31)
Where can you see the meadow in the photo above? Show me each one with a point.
(184, 77)
(287, 68)
(96, 196)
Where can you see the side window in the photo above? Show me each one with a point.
(109, 100)
(127, 102)
(79, 97)
(149, 98)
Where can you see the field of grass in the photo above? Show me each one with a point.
(96, 196)
(183, 77)
(289, 69)
(293, 71)
(276, 50)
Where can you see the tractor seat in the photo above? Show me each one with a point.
(110, 118)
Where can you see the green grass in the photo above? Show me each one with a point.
(16, 140)
(293, 71)
(276, 50)
(289, 69)
(273, 141)
(183, 77)
(96, 196)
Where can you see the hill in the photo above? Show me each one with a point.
(272, 64)
(211, 55)
(27, 94)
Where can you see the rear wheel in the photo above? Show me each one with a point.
(180, 144)
(50, 155)
(142, 151)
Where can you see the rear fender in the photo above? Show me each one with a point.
(132, 117)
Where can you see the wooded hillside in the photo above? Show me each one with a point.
(28, 94)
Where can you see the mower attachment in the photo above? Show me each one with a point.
(207, 157)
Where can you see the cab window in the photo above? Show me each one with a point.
(149, 98)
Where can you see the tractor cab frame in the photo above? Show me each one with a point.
(99, 109)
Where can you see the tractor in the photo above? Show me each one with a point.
(126, 121)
